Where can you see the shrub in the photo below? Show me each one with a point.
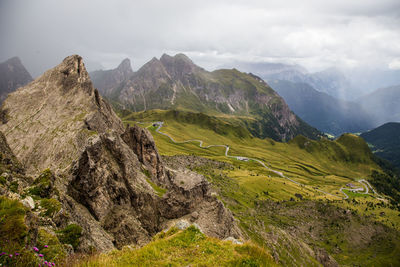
(12, 227)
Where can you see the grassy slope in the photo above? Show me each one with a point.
(184, 248)
(325, 164)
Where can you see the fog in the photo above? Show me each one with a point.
(316, 34)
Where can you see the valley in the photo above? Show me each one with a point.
(291, 176)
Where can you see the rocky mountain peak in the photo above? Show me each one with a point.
(65, 101)
(178, 65)
(125, 66)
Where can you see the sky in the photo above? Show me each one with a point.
(316, 34)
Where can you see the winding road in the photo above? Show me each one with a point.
(360, 190)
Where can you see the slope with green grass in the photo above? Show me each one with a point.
(184, 248)
(271, 209)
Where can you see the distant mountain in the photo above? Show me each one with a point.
(106, 80)
(12, 76)
(385, 142)
(382, 105)
(326, 113)
(177, 83)
(331, 81)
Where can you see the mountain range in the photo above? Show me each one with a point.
(75, 177)
(345, 84)
(175, 82)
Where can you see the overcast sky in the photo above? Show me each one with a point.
(313, 33)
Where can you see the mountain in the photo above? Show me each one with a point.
(94, 174)
(105, 80)
(324, 112)
(385, 142)
(12, 76)
(382, 105)
(177, 83)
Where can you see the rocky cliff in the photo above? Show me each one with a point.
(12, 76)
(109, 179)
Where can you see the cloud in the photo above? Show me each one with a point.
(313, 33)
(394, 64)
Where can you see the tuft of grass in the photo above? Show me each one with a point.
(159, 190)
(184, 248)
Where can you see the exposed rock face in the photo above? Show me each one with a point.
(105, 80)
(12, 76)
(176, 82)
(142, 143)
(60, 122)
(50, 119)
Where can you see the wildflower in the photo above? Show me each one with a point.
(16, 254)
(45, 262)
(35, 249)
(40, 255)
(46, 246)
(10, 255)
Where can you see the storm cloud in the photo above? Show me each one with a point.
(313, 33)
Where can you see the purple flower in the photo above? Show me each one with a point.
(3, 253)
(46, 246)
(35, 249)
(45, 262)
(16, 254)
(10, 255)
(40, 255)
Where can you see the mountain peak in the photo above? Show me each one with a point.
(125, 65)
(178, 65)
(14, 61)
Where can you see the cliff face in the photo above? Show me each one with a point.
(12, 76)
(177, 83)
(110, 179)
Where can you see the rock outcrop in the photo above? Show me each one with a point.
(12, 76)
(110, 180)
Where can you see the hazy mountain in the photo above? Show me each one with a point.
(382, 105)
(331, 81)
(106, 80)
(385, 142)
(177, 83)
(326, 113)
(12, 75)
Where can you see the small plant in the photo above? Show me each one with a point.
(51, 206)
(42, 185)
(70, 235)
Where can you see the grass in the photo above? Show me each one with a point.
(184, 248)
